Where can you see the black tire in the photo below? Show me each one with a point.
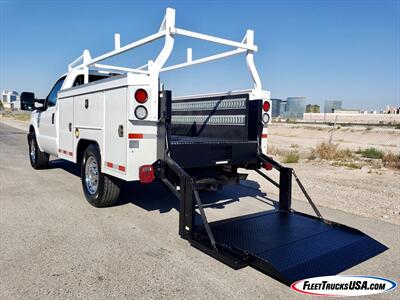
(107, 189)
(38, 159)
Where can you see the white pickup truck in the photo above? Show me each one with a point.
(120, 124)
(107, 118)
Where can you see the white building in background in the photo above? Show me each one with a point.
(10, 99)
(352, 118)
(347, 111)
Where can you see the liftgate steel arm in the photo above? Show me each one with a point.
(187, 190)
(285, 179)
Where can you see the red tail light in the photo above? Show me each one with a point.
(141, 96)
(267, 166)
(146, 174)
(266, 106)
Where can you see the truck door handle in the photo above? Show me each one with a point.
(70, 127)
(121, 130)
(52, 118)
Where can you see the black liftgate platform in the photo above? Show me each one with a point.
(284, 244)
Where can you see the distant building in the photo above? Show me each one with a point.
(331, 105)
(276, 105)
(347, 111)
(295, 107)
(282, 108)
(312, 108)
(10, 99)
(352, 118)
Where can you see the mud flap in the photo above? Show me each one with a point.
(290, 246)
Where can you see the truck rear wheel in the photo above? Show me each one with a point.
(38, 159)
(100, 189)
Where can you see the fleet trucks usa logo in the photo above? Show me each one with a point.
(343, 285)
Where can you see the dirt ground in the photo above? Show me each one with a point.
(376, 191)
(304, 136)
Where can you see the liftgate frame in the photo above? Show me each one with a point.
(293, 245)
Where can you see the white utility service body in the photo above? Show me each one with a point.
(104, 112)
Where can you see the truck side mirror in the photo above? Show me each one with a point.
(27, 101)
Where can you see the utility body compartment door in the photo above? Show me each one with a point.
(115, 132)
(89, 110)
(66, 128)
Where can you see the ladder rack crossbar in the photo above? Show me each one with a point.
(168, 31)
(203, 60)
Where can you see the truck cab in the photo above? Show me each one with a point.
(130, 121)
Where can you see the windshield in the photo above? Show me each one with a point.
(52, 97)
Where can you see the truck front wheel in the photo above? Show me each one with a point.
(100, 189)
(38, 159)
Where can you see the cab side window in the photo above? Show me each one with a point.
(52, 97)
(80, 79)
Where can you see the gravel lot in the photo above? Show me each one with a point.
(56, 246)
(374, 193)
(349, 190)
(305, 136)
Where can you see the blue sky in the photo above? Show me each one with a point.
(346, 50)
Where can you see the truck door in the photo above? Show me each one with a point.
(47, 129)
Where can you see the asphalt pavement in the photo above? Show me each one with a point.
(54, 245)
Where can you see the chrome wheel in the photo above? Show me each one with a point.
(91, 175)
(32, 153)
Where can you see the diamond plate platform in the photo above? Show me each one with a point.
(290, 246)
